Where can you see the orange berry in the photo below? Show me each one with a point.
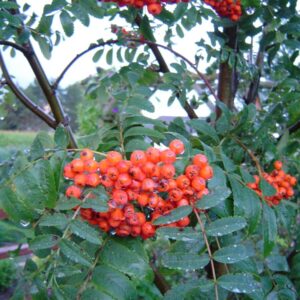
(148, 168)
(142, 218)
(103, 225)
(138, 157)
(80, 179)
(148, 229)
(68, 172)
(168, 171)
(113, 223)
(177, 146)
(137, 173)
(73, 191)
(168, 156)
(148, 185)
(117, 215)
(198, 183)
(120, 197)
(290, 192)
(176, 194)
(182, 202)
(200, 160)
(154, 8)
(86, 154)
(183, 182)
(143, 199)
(153, 154)
(103, 166)
(278, 165)
(106, 181)
(124, 180)
(153, 201)
(123, 166)
(293, 181)
(135, 231)
(192, 171)
(206, 172)
(112, 173)
(183, 222)
(77, 165)
(91, 165)
(113, 157)
(93, 179)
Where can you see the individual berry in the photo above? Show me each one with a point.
(117, 215)
(92, 179)
(148, 185)
(168, 156)
(91, 165)
(113, 157)
(168, 171)
(86, 154)
(80, 179)
(206, 172)
(68, 172)
(192, 171)
(124, 180)
(183, 182)
(198, 183)
(73, 191)
(200, 160)
(154, 8)
(148, 229)
(278, 165)
(120, 197)
(177, 146)
(153, 155)
(112, 173)
(138, 157)
(77, 165)
(183, 222)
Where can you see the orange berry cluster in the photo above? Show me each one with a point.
(154, 7)
(226, 8)
(140, 189)
(282, 182)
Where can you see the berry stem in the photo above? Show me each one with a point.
(209, 253)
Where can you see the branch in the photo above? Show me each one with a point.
(15, 46)
(38, 111)
(159, 280)
(69, 65)
(227, 81)
(295, 127)
(43, 81)
(209, 253)
(187, 106)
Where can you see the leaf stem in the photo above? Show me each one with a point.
(90, 271)
(209, 253)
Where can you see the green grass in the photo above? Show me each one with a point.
(13, 141)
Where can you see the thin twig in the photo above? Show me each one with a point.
(253, 157)
(37, 110)
(68, 66)
(209, 253)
